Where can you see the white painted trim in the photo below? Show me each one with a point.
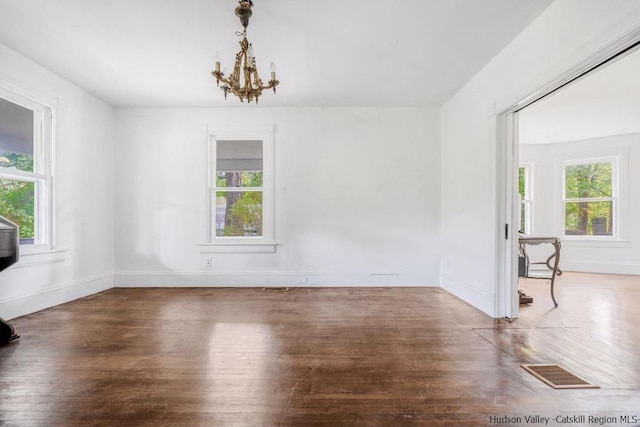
(585, 266)
(22, 264)
(43, 144)
(267, 134)
(30, 94)
(21, 175)
(35, 250)
(583, 242)
(529, 199)
(26, 304)
(142, 279)
(506, 302)
(238, 248)
(467, 291)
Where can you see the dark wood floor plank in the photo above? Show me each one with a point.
(317, 357)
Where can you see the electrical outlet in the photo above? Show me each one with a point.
(208, 262)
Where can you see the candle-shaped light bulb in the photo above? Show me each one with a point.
(217, 61)
(273, 71)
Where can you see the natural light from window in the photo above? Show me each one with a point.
(239, 188)
(589, 202)
(24, 167)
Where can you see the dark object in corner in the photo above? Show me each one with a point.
(7, 333)
(9, 247)
(524, 298)
(523, 266)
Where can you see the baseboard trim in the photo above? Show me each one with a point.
(632, 268)
(46, 298)
(139, 279)
(469, 293)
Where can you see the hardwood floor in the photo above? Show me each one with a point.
(324, 356)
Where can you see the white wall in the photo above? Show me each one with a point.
(620, 256)
(85, 128)
(357, 198)
(568, 32)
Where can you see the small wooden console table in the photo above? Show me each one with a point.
(552, 269)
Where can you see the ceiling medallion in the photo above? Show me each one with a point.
(244, 81)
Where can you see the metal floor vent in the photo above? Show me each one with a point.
(276, 289)
(557, 377)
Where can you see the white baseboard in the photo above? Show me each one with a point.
(601, 267)
(27, 304)
(139, 279)
(469, 292)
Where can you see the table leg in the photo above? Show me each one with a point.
(556, 256)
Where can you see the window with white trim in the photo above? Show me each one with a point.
(590, 197)
(25, 167)
(241, 190)
(525, 189)
(238, 192)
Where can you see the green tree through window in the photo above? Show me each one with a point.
(17, 197)
(243, 209)
(589, 199)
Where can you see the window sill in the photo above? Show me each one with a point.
(39, 255)
(237, 248)
(586, 242)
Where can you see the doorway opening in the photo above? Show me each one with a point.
(517, 213)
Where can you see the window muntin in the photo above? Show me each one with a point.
(590, 198)
(25, 166)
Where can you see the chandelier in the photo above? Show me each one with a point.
(244, 81)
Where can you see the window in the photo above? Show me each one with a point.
(25, 167)
(241, 191)
(525, 189)
(590, 197)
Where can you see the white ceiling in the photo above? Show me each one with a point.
(603, 103)
(328, 52)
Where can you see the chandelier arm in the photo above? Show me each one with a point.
(271, 85)
(257, 81)
(221, 78)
